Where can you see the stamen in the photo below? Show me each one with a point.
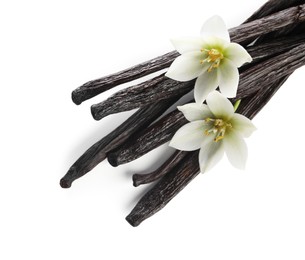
(220, 135)
(214, 57)
(218, 138)
(218, 128)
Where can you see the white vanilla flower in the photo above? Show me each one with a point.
(212, 58)
(214, 129)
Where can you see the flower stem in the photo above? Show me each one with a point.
(236, 104)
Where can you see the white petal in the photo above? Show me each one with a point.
(187, 44)
(228, 78)
(189, 137)
(242, 125)
(220, 106)
(215, 26)
(236, 149)
(210, 154)
(195, 111)
(237, 54)
(186, 67)
(204, 85)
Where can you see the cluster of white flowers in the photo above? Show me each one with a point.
(214, 128)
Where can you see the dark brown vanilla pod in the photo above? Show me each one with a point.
(273, 6)
(239, 34)
(141, 95)
(271, 47)
(97, 152)
(95, 87)
(270, 70)
(276, 21)
(251, 106)
(155, 135)
(167, 188)
(167, 166)
(288, 31)
(300, 28)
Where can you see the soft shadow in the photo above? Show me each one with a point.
(105, 126)
(152, 160)
(141, 191)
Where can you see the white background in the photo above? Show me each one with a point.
(48, 48)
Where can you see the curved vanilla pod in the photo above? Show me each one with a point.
(168, 165)
(273, 6)
(254, 78)
(167, 188)
(141, 143)
(97, 152)
(95, 87)
(141, 95)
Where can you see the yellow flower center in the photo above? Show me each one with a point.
(219, 128)
(214, 57)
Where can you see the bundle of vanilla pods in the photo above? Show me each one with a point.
(275, 38)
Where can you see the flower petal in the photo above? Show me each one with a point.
(228, 78)
(215, 26)
(189, 137)
(186, 67)
(210, 154)
(195, 111)
(236, 149)
(187, 44)
(237, 54)
(212, 42)
(205, 84)
(220, 106)
(242, 125)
